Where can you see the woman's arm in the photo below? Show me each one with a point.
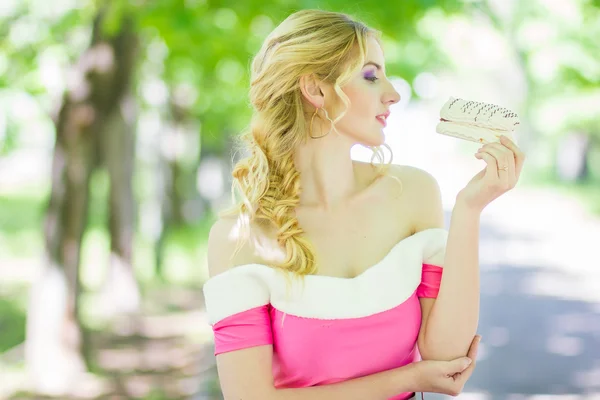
(247, 375)
(454, 316)
(450, 321)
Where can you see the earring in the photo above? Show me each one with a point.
(311, 124)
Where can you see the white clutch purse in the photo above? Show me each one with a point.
(476, 121)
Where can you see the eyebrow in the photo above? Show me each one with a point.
(372, 63)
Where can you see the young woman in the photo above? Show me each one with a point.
(326, 279)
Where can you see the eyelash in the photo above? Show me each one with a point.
(371, 78)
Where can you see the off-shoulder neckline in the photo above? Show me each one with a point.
(367, 271)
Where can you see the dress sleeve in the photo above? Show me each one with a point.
(434, 252)
(237, 305)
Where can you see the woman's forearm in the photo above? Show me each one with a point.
(381, 385)
(454, 317)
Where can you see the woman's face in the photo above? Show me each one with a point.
(371, 94)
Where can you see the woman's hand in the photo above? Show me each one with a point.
(493, 181)
(447, 377)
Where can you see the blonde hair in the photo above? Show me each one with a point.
(332, 47)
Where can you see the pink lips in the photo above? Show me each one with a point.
(382, 118)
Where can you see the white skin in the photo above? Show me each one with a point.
(327, 172)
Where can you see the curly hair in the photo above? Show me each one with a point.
(332, 47)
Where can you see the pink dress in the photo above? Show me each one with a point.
(333, 329)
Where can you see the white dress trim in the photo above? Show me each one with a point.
(381, 287)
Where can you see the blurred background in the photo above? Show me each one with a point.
(116, 127)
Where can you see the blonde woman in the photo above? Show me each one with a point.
(332, 278)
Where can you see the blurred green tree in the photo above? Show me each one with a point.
(562, 72)
(93, 127)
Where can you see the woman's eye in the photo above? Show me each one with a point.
(371, 78)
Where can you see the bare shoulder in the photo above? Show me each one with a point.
(423, 192)
(227, 246)
(416, 181)
(220, 245)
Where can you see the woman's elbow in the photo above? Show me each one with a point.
(442, 351)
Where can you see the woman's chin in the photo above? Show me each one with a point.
(376, 139)
(373, 138)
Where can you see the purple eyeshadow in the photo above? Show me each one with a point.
(369, 74)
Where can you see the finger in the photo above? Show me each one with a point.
(459, 365)
(491, 169)
(502, 153)
(518, 154)
(462, 377)
(510, 173)
(510, 157)
(474, 346)
(503, 158)
(472, 354)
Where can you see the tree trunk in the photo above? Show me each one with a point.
(120, 293)
(54, 337)
(172, 179)
(171, 208)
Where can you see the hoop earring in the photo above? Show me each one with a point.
(310, 130)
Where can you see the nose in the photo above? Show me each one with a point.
(391, 95)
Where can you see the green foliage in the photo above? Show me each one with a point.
(115, 11)
(12, 324)
(210, 46)
(19, 214)
(204, 45)
(204, 48)
(21, 219)
(207, 45)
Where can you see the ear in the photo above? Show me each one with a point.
(311, 90)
